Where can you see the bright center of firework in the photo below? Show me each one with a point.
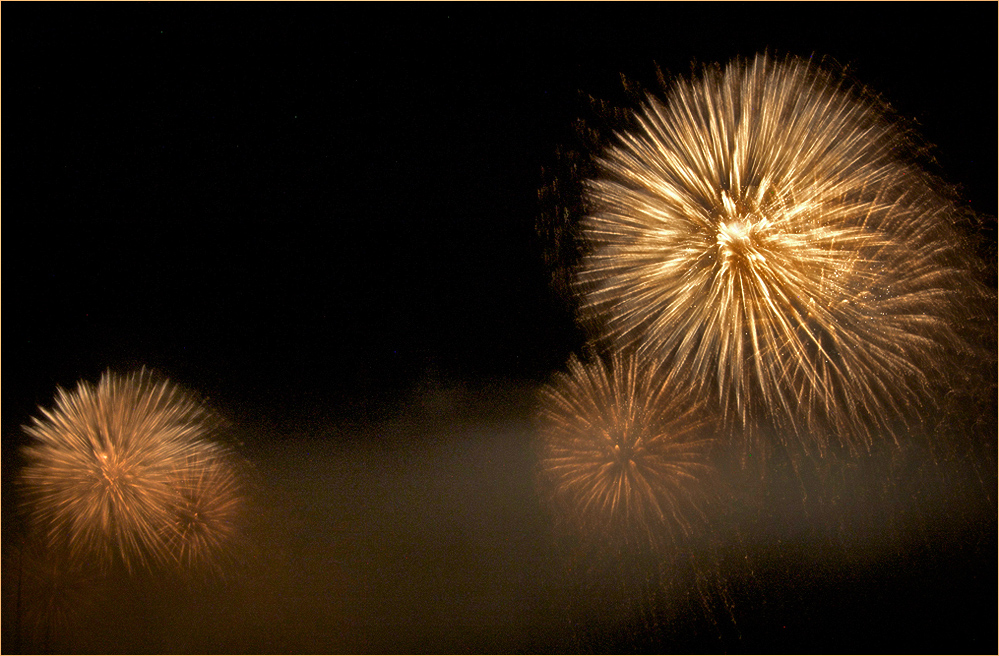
(738, 239)
(622, 448)
(113, 473)
(622, 454)
(188, 517)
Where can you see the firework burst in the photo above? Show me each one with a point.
(206, 509)
(765, 235)
(123, 472)
(623, 459)
(53, 594)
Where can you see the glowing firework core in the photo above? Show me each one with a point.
(737, 239)
(623, 446)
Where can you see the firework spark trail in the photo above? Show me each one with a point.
(108, 467)
(622, 457)
(764, 234)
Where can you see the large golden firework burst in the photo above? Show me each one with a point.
(764, 235)
(124, 472)
(623, 458)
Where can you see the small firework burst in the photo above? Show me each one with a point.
(624, 459)
(205, 512)
(111, 465)
(765, 234)
(54, 593)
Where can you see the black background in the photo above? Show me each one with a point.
(304, 212)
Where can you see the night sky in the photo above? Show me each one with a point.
(321, 219)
